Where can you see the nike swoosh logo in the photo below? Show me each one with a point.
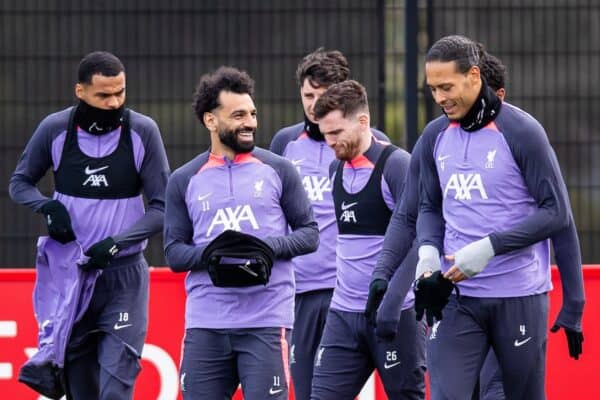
(89, 171)
(200, 198)
(392, 365)
(521, 343)
(347, 206)
(298, 162)
(117, 326)
(275, 391)
(442, 158)
(94, 127)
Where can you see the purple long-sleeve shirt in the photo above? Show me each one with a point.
(402, 230)
(125, 220)
(258, 193)
(502, 181)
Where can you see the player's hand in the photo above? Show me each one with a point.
(432, 291)
(454, 274)
(574, 340)
(377, 289)
(100, 254)
(58, 221)
(470, 260)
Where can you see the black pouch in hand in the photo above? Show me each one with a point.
(236, 259)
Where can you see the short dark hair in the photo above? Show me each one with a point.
(323, 68)
(349, 97)
(229, 79)
(98, 62)
(493, 71)
(464, 51)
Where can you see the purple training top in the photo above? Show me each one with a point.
(258, 193)
(312, 158)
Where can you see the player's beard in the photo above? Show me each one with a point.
(230, 138)
(347, 150)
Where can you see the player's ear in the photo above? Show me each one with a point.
(79, 90)
(501, 93)
(363, 119)
(210, 121)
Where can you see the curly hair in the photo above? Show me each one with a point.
(229, 79)
(323, 68)
(493, 71)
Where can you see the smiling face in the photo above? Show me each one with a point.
(105, 92)
(233, 123)
(452, 90)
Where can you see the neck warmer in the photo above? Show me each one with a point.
(96, 120)
(313, 130)
(484, 110)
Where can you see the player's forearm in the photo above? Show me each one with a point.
(396, 244)
(24, 192)
(182, 257)
(147, 226)
(568, 259)
(302, 240)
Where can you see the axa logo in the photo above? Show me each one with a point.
(348, 215)
(95, 179)
(233, 218)
(464, 185)
(316, 186)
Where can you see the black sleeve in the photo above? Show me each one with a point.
(401, 230)
(154, 173)
(536, 159)
(283, 137)
(394, 173)
(568, 259)
(34, 162)
(181, 253)
(430, 220)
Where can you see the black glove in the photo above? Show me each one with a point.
(100, 254)
(236, 259)
(58, 221)
(431, 296)
(574, 340)
(377, 289)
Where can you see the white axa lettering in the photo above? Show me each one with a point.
(96, 180)
(231, 218)
(315, 186)
(462, 184)
(348, 216)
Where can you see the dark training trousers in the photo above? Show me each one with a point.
(350, 351)
(516, 329)
(102, 360)
(490, 378)
(310, 316)
(215, 361)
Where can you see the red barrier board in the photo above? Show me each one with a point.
(566, 378)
